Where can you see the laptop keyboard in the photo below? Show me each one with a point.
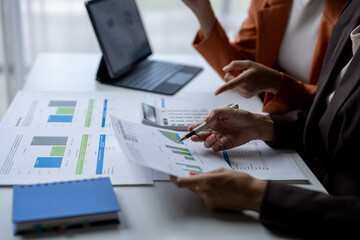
(150, 75)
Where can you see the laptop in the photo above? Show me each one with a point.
(125, 47)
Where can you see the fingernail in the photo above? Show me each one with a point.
(226, 68)
(192, 173)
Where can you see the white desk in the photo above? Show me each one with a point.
(161, 211)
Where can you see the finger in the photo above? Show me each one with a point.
(224, 142)
(200, 137)
(218, 146)
(193, 173)
(210, 141)
(191, 127)
(237, 65)
(228, 77)
(192, 181)
(235, 82)
(173, 179)
(196, 138)
(222, 89)
(215, 114)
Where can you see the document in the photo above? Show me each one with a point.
(46, 137)
(161, 150)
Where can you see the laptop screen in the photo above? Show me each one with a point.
(120, 32)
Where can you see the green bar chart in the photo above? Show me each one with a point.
(64, 112)
(174, 137)
(181, 151)
(82, 153)
(190, 168)
(89, 113)
(54, 146)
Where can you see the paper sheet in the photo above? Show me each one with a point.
(159, 149)
(47, 137)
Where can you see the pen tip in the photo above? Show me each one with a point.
(182, 139)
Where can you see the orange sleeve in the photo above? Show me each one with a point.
(292, 94)
(219, 51)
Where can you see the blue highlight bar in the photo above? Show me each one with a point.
(179, 138)
(100, 158)
(104, 113)
(60, 118)
(163, 102)
(226, 157)
(48, 162)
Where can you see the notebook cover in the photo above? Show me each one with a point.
(63, 199)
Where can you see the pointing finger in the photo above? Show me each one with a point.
(237, 65)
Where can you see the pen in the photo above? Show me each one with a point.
(204, 125)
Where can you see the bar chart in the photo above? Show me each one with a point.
(43, 156)
(89, 113)
(181, 151)
(184, 153)
(174, 137)
(161, 150)
(190, 168)
(64, 111)
(55, 111)
(55, 147)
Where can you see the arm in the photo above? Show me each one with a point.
(204, 13)
(283, 93)
(290, 95)
(282, 207)
(213, 44)
(287, 208)
(216, 48)
(235, 127)
(310, 213)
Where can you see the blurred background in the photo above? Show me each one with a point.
(30, 27)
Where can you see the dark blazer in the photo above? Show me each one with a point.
(330, 136)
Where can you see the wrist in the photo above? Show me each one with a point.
(207, 23)
(264, 127)
(276, 81)
(258, 188)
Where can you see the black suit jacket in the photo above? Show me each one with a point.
(330, 135)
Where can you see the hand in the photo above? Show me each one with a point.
(225, 189)
(234, 127)
(205, 14)
(250, 78)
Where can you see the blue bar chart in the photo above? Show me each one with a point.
(101, 152)
(56, 149)
(64, 112)
(104, 113)
(48, 162)
(181, 151)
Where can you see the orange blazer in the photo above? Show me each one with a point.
(259, 40)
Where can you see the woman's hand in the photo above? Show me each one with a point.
(204, 13)
(250, 78)
(234, 127)
(224, 189)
